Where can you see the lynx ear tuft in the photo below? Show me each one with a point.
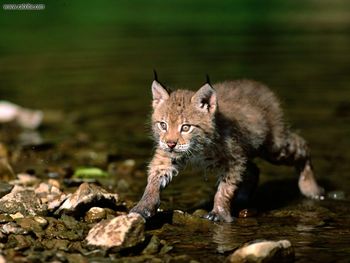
(159, 93)
(205, 98)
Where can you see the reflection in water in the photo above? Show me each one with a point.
(94, 63)
(228, 236)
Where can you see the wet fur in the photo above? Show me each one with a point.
(232, 123)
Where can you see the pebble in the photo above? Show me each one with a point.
(248, 212)
(87, 195)
(95, 214)
(120, 232)
(263, 251)
(4, 218)
(12, 228)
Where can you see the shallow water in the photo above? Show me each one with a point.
(91, 65)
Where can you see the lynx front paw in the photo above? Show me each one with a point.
(144, 211)
(217, 217)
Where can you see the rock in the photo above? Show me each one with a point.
(4, 218)
(248, 212)
(195, 222)
(19, 242)
(22, 200)
(86, 196)
(6, 172)
(95, 214)
(121, 232)
(50, 195)
(41, 221)
(58, 244)
(263, 251)
(25, 118)
(65, 228)
(29, 224)
(16, 215)
(26, 180)
(12, 228)
(200, 213)
(76, 258)
(152, 247)
(54, 182)
(5, 188)
(165, 248)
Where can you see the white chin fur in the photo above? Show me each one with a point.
(178, 148)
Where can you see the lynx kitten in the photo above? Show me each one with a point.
(222, 128)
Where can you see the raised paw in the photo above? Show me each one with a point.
(216, 217)
(308, 185)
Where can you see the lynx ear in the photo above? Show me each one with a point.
(159, 93)
(205, 98)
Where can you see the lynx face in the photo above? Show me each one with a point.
(183, 121)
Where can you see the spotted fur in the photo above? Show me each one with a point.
(222, 128)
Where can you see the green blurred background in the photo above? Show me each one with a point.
(95, 59)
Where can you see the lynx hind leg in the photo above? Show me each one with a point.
(307, 182)
(296, 152)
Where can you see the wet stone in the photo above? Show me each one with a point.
(200, 213)
(22, 200)
(152, 247)
(5, 188)
(4, 218)
(41, 221)
(26, 179)
(19, 242)
(50, 195)
(263, 251)
(29, 224)
(248, 212)
(76, 258)
(121, 232)
(88, 195)
(16, 215)
(165, 248)
(59, 244)
(12, 228)
(182, 218)
(95, 214)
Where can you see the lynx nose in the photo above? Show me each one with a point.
(171, 144)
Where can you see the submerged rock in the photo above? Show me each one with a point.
(86, 196)
(22, 200)
(263, 251)
(121, 232)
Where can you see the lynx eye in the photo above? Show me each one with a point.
(185, 128)
(162, 125)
